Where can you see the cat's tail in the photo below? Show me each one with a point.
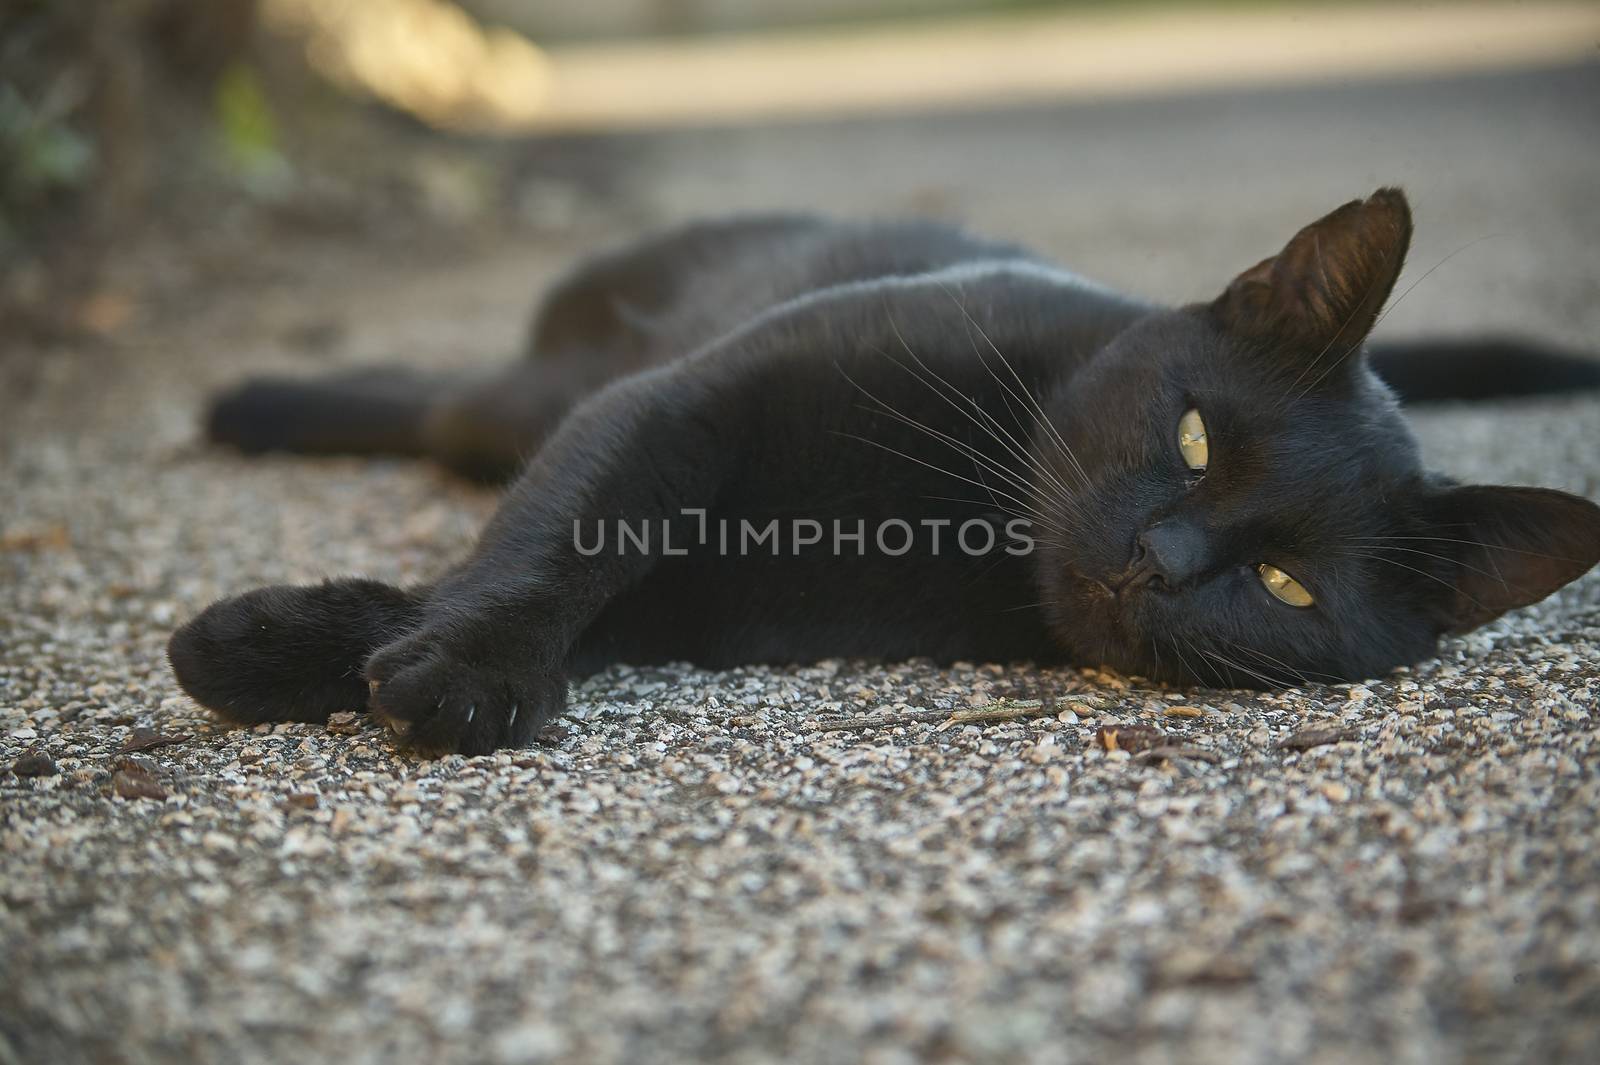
(289, 653)
(1480, 368)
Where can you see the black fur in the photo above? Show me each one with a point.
(1478, 368)
(288, 653)
(783, 369)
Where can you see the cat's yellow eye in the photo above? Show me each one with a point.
(1192, 441)
(1285, 587)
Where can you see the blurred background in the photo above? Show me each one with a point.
(155, 152)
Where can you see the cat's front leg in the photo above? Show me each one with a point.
(486, 666)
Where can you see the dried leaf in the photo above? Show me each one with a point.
(145, 739)
(1315, 736)
(344, 723)
(55, 538)
(134, 783)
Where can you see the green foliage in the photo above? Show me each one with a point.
(248, 130)
(40, 154)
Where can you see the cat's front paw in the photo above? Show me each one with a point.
(287, 653)
(441, 698)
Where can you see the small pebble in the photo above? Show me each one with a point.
(34, 764)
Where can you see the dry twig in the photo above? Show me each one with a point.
(1003, 710)
(1167, 754)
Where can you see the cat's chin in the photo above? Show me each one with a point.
(1124, 632)
(1089, 618)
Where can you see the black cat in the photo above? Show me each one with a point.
(784, 439)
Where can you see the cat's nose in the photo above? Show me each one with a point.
(1171, 552)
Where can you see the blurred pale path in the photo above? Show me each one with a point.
(428, 57)
(1050, 56)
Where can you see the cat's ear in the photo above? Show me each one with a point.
(1510, 547)
(1322, 293)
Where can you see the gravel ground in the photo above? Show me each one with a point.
(693, 867)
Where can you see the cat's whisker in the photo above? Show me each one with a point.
(1302, 675)
(940, 469)
(1224, 660)
(1219, 675)
(1035, 410)
(966, 450)
(1035, 415)
(1040, 493)
(1018, 447)
(1189, 667)
(1199, 676)
(948, 390)
(1374, 544)
(1423, 573)
(1432, 555)
(1426, 273)
(1033, 520)
(1379, 277)
(1009, 511)
(1057, 493)
(1305, 676)
(977, 471)
(978, 459)
(1038, 463)
(1468, 543)
(1390, 309)
(1027, 396)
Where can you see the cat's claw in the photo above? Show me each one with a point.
(440, 699)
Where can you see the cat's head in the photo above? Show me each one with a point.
(1239, 501)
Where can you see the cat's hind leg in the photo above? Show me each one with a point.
(289, 653)
(481, 425)
(488, 430)
(372, 410)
